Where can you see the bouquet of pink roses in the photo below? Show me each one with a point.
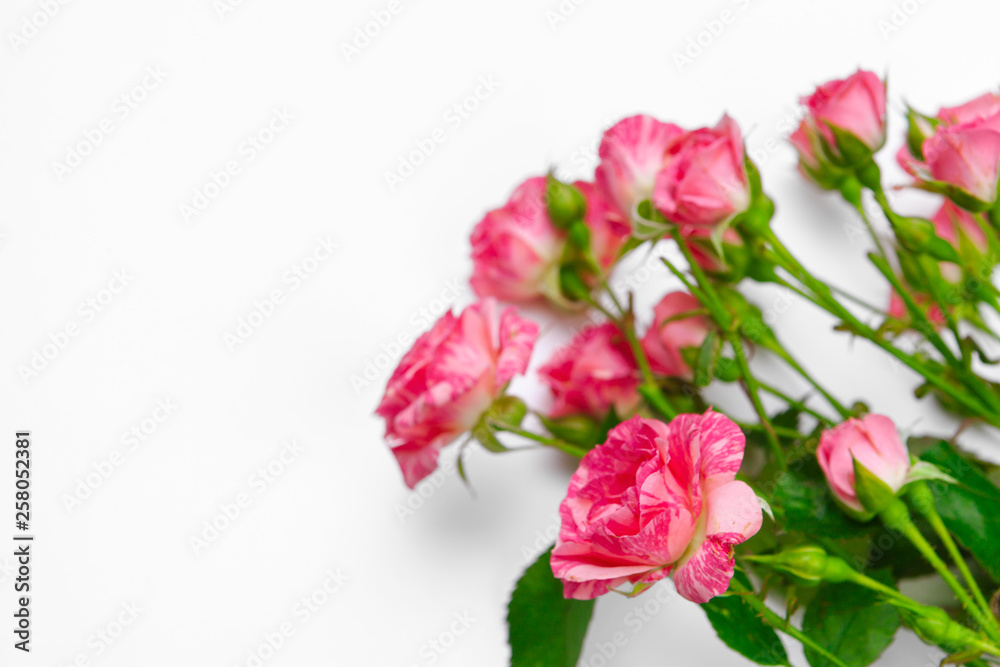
(793, 504)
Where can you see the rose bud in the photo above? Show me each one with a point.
(632, 154)
(957, 152)
(592, 374)
(450, 377)
(731, 265)
(704, 180)
(813, 163)
(897, 309)
(870, 446)
(657, 499)
(609, 231)
(849, 115)
(959, 228)
(677, 325)
(965, 160)
(984, 106)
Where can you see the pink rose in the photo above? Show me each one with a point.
(804, 141)
(592, 374)
(967, 157)
(608, 229)
(874, 442)
(982, 107)
(962, 151)
(952, 220)
(654, 499)
(813, 163)
(515, 248)
(448, 379)
(735, 253)
(897, 309)
(855, 105)
(632, 155)
(704, 180)
(672, 331)
(957, 226)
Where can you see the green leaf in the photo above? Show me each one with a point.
(743, 630)
(705, 369)
(578, 429)
(546, 630)
(850, 622)
(970, 508)
(802, 502)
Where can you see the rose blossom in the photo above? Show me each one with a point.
(632, 154)
(448, 379)
(874, 442)
(702, 247)
(515, 248)
(966, 156)
(855, 105)
(657, 499)
(704, 180)
(962, 151)
(953, 224)
(608, 229)
(592, 374)
(669, 334)
(897, 309)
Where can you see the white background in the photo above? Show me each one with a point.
(335, 505)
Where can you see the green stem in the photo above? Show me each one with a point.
(541, 439)
(985, 395)
(753, 392)
(922, 498)
(649, 389)
(834, 403)
(799, 405)
(897, 516)
(711, 299)
(859, 207)
(780, 430)
(779, 623)
(825, 300)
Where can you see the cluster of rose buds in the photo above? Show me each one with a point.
(656, 494)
